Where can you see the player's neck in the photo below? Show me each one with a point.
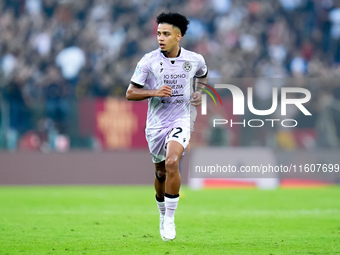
(174, 53)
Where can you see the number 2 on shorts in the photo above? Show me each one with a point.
(179, 131)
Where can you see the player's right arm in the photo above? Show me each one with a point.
(135, 93)
(136, 90)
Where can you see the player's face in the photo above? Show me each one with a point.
(168, 38)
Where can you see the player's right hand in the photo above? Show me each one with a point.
(164, 91)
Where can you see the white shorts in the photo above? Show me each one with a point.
(158, 139)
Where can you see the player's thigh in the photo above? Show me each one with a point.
(156, 142)
(174, 153)
(179, 134)
(176, 141)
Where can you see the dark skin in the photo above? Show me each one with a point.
(168, 38)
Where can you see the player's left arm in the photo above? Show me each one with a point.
(197, 95)
(200, 81)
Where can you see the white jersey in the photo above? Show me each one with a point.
(155, 70)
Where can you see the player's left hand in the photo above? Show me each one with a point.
(196, 99)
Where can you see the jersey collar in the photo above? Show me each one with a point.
(179, 53)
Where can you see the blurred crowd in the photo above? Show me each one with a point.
(53, 51)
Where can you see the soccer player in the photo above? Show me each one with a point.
(164, 77)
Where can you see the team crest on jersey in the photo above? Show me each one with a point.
(187, 66)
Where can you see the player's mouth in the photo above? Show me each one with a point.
(161, 45)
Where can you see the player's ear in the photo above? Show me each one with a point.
(179, 37)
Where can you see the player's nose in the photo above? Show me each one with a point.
(160, 37)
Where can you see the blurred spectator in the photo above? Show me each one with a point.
(8, 64)
(71, 60)
(221, 6)
(56, 95)
(334, 16)
(328, 120)
(33, 7)
(298, 66)
(290, 5)
(19, 114)
(42, 43)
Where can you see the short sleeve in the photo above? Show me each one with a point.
(202, 70)
(141, 73)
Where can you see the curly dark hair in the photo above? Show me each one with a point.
(174, 19)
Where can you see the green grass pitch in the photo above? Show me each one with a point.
(124, 220)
